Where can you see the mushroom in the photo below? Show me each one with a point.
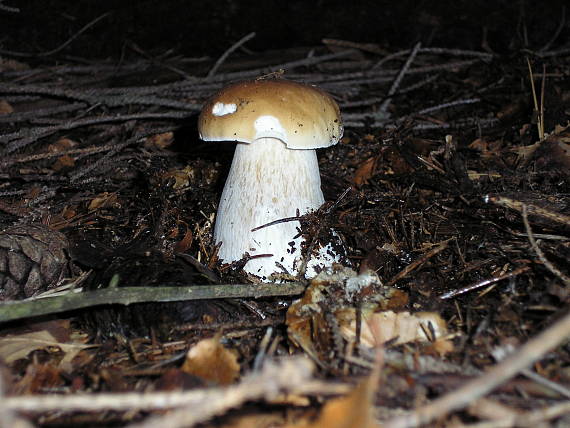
(274, 175)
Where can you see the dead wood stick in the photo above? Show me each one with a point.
(366, 47)
(288, 374)
(547, 264)
(271, 380)
(10, 9)
(38, 113)
(527, 354)
(417, 263)
(283, 66)
(11, 311)
(98, 97)
(396, 83)
(526, 419)
(513, 204)
(484, 283)
(42, 132)
(63, 45)
(227, 53)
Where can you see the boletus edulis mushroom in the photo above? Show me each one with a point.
(274, 175)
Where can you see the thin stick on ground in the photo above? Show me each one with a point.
(531, 208)
(287, 374)
(417, 263)
(484, 283)
(73, 300)
(527, 354)
(526, 419)
(396, 84)
(537, 110)
(227, 53)
(547, 264)
(60, 47)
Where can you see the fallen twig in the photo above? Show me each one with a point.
(484, 283)
(547, 264)
(417, 263)
(227, 53)
(11, 311)
(286, 375)
(396, 83)
(527, 354)
(60, 47)
(513, 204)
(525, 419)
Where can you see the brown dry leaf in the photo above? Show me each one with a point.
(6, 107)
(441, 346)
(513, 109)
(525, 152)
(159, 141)
(185, 243)
(556, 142)
(365, 171)
(38, 377)
(63, 162)
(14, 347)
(381, 327)
(554, 152)
(61, 145)
(209, 360)
(306, 325)
(104, 199)
(487, 149)
(353, 411)
(69, 212)
(181, 177)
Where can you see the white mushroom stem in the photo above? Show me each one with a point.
(267, 182)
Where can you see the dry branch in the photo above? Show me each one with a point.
(527, 354)
(11, 311)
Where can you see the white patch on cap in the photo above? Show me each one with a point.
(269, 127)
(221, 109)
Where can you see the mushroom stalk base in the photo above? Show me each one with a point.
(268, 182)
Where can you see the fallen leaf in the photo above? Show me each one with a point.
(159, 141)
(181, 177)
(441, 346)
(352, 411)
(185, 243)
(365, 171)
(38, 377)
(63, 162)
(104, 199)
(5, 107)
(377, 328)
(15, 347)
(210, 360)
(61, 145)
(553, 155)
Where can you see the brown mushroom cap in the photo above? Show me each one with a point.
(301, 116)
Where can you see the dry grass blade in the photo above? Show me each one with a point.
(539, 112)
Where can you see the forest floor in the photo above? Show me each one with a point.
(450, 190)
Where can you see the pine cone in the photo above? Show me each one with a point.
(32, 259)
